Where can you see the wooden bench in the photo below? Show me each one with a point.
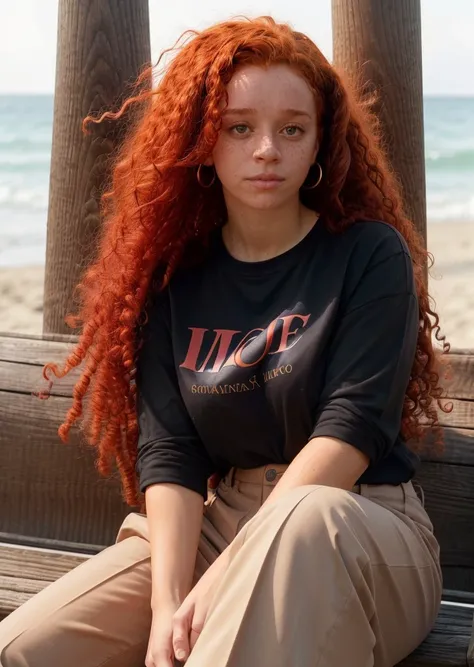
(55, 510)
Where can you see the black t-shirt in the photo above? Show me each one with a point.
(244, 362)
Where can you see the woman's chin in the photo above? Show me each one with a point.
(264, 201)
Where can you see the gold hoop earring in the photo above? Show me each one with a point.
(311, 187)
(199, 178)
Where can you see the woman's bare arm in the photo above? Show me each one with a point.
(175, 520)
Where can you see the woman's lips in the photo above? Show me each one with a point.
(266, 182)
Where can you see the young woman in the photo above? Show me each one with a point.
(256, 314)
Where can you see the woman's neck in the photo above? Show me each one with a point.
(254, 236)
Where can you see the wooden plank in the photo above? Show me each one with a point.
(461, 383)
(34, 349)
(462, 415)
(446, 645)
(37, 564)
(11, 600)
(12, 539)
(23, 585)
(459, 596)
(449, 501)
(67, 499)
(27, 378)
(458, 447)
(56, 337)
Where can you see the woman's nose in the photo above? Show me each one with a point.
(267, 149)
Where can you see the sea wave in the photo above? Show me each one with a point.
(23, 198)
(23, 162)
(461, 160)
(442, 207)
(16, 143)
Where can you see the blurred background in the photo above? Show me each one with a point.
(28, 31)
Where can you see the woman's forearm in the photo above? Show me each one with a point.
(326, 461)
(175, 520)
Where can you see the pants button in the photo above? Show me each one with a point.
(270, 475)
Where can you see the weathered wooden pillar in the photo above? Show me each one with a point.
(378, 43)
(102, 47)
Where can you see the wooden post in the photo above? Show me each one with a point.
(102, 47)
(378, 42)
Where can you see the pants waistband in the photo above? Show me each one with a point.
(269, 475)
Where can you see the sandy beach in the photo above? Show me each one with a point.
(452, 280)
(451, 286)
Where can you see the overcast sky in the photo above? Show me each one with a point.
(28, 36)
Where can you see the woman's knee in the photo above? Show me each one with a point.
(319, 510)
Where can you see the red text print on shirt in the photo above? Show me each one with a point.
(278, 336)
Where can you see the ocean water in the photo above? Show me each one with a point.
(25, 155)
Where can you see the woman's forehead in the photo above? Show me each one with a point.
(276, 86)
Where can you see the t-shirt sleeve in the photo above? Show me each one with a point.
(370, 358)
(169, 448)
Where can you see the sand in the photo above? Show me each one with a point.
(451, 282)
(21, 299)
(451, 286)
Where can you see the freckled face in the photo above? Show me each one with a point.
(268, 140)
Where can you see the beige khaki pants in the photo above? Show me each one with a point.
(322, 578)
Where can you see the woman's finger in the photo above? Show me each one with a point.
(181, 630)
(197, 624)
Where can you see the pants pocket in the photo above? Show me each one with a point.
(229, 510)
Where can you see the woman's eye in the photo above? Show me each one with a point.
(237, 128)
(294, 129)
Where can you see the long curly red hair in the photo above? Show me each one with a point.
(154, 213)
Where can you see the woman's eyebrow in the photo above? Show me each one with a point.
(248, 111)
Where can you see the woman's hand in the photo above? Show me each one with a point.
(160, 644)
(189, 619)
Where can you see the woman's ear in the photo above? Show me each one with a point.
(209, 162)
